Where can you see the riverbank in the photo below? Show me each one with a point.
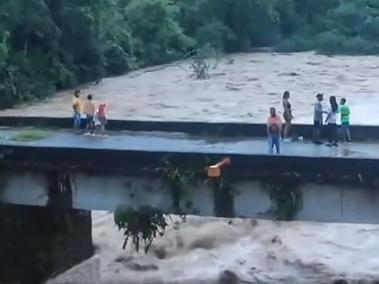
(238, 92)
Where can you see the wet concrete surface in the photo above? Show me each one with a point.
(183, 143)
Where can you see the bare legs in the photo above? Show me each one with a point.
(287, 129)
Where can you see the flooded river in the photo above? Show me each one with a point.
(201, 250)
(238, 92)
(217, 251)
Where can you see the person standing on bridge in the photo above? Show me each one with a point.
(101, 118)
(331, 120)
(89, 111)
(274, 129)
(318, 119)
(77, 106)
(345, 120)
(287, 115)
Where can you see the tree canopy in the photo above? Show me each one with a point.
(54, 44)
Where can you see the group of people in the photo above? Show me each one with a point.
(88, 119)
(277, 131)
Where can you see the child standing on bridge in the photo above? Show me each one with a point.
(101, 119)
(274, 129)
(345, 120)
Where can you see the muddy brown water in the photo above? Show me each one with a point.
(238, 92)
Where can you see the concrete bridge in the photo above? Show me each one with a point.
(162, 166)
(135, 169)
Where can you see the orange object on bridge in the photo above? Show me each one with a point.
(215, 170)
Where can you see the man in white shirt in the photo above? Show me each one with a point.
(318, 119)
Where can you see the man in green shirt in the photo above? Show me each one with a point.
(345, 120)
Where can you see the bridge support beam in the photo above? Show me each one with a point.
(36, 242)
(276, 197)
(59, 190)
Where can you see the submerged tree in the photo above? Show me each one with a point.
(141, 226)
(200, 68)
(201, 61)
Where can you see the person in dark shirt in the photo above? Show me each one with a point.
(288, 117)
(331, 120)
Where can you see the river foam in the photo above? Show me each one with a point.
(210, 250)
(239, 92)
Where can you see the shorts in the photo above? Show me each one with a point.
(346, 123)
(317, 124)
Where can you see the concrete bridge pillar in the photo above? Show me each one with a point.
(36, 242)
(59, 190)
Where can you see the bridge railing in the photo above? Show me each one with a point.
(223, 129)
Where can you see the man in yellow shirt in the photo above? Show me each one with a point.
(78, 110)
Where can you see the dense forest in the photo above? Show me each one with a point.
(54, 44)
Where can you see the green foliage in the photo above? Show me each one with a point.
(329, 41)
(200, 61)
(177, 177)
(157, 37)
(286, 200)
(31, 135)
(296, 44)
(54, 44)
(4, 49)
(214, 34)
(142, 226)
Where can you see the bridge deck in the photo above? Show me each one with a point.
(336, 184)
(183, 143)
